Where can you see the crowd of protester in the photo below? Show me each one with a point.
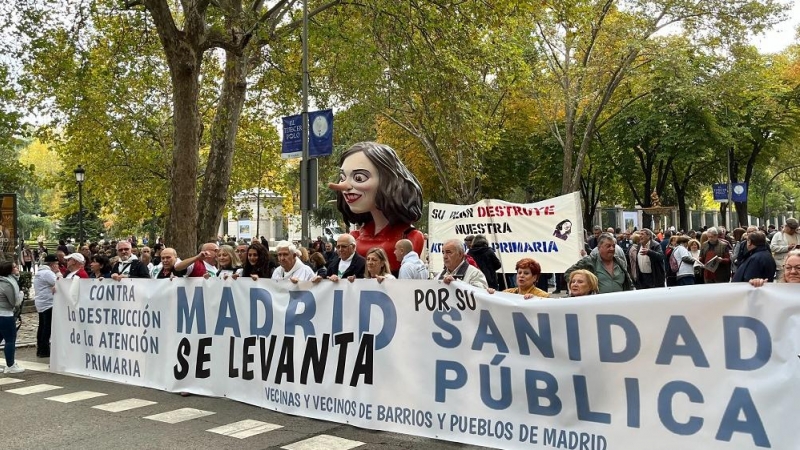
(613, 261)
(644, 259)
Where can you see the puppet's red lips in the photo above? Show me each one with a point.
(350, 198)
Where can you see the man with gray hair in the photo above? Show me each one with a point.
(290, 266)
(456, 266)
(606, 266)
(720, 270)
(348, 262)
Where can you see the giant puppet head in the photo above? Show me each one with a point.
(377, 192)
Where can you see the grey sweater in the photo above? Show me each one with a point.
(9, 294)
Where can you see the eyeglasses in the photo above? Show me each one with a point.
(791, 268)
(343, 246)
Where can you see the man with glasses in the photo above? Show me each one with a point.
(784, 242)
(241, 251)
(128, 266)
(348, 262)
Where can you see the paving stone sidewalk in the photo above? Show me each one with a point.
(26, 336)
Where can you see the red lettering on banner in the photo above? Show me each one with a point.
(511, 211)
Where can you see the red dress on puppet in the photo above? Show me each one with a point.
(386, 239)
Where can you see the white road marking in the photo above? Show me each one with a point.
(5, 381)
(35, 366)
(76, 396)
(324, 442)
(245, 428)
(179, 415)
(124, 405)
(35, 389)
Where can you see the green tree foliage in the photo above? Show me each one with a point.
(584, 51)
(669, 124)
(758, 107)
(440, 72)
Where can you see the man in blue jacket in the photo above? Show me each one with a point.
(758, 261)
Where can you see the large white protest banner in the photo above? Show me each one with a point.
(551, 231)
(703, 367)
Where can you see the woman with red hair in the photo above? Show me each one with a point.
(528, 271)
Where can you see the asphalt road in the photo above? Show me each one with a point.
(81, 413)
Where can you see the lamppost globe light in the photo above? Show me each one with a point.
(80, 176)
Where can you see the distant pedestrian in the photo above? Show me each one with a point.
(10, 297)
(44, 284)
(783, 242)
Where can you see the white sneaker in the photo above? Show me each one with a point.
(15, 369)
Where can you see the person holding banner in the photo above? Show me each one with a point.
(791, 270)
(378, 192)
(228, 263)
(348, 263)
(528, 272)
(290, 267)
(582, 282)
(377, 266)
(606, 266)
(258, 264)
(128, 265)
(411, 266)
(456, 266)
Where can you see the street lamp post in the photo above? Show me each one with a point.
(80, 175)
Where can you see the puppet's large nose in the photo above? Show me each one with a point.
(341, 187)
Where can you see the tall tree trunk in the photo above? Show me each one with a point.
(741, 214)
(214, 191)
(185, 71)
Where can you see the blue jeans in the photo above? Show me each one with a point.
(8, 333)
(685, 281)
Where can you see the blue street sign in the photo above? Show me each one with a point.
(320, 136)
(721, 192)
(292, 145)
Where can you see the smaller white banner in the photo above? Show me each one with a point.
(550, 232)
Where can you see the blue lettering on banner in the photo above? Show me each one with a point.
(732, 327)
(512, 247)
(678, 329)
(542, 387)
(480, 362)
(189, 315)
(264, 298)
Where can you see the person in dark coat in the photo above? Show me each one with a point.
(758, 261)
(647, 268)
(347, 263)
(486, 259)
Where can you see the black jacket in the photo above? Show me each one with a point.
(656, 263)
(138, 270)
(488, 262)
(357, 266)
(758, 263)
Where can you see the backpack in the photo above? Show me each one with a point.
(674, 265)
